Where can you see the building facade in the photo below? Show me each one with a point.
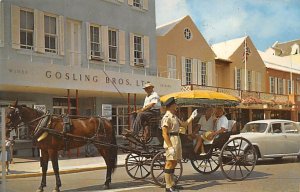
(78, 57)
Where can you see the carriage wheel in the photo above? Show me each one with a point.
(237, 159)
(137, 167)
(158, 167)
(207, 165)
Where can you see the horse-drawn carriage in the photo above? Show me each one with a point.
(236, 157)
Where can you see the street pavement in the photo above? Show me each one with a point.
(30, 167)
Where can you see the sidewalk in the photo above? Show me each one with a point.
(30, 167)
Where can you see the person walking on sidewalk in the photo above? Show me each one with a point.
(7, 153)
(170, 124)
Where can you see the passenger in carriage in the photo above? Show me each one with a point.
(205, 125)
(170, 125)
(221, 126)
(151, 109)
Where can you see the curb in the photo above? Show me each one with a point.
(76, 170)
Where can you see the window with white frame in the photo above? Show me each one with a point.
(171, 60)
(137, 3)
(272, 85)
(290, 87)
(187, 33)
(50, 34)
(138, 49)
(113, 45)
(238, 79)
(95, 40)
(26, 29)
(249, 80)
(280, 86)
(188, 71)
(204, 74)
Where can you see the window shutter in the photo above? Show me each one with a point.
(209, 73)
(276, 84)
(169, 66)
(39, 31)
(235, 78)
(145, 4)
(243, 79)
(284, 86)
(15, 26)
(130, 2)
(253, 81)
(122, 59)
(258, 82)
(293, 87)
(1, 24)
(199, 78)
(183, 73)
(194, 71)
(146, 51)
(104, 38)
(131, 39)
(88, 41)
(61, 34)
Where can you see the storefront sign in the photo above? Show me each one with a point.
(66, 77)
(107, 111)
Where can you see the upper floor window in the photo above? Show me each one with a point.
(188, 71)
(95, 40)
(187, 34)
(113, 45)
(138, 49)
(290, 87)
(137, 3)
(50, 34)
(272, 84)
(26, 29)
(249, 80)
(171, 66)
(203, 74)
(280, 86)
(238, 79)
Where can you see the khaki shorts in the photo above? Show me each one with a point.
(176, 143)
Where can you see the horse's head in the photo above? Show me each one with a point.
(13, 116)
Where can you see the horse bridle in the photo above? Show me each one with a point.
(15, 119)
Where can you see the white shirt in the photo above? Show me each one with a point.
(207, 125)
(153, 98)
(222, 122)
(231, 124)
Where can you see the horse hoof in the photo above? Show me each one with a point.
(39, 190)
(105, 186)
(55, 190)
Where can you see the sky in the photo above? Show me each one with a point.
(265, 21)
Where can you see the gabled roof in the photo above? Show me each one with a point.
(164, 29)
(285, 47)
(225, 49)
(279, 63)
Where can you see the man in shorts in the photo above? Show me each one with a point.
(170, 124)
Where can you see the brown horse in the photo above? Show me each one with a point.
(90, 127)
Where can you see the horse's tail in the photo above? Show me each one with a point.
(114, 150)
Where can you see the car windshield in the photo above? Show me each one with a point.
(255, 127)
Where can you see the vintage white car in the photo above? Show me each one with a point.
(273, 138)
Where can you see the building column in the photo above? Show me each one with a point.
(267, 114)
(250, 114)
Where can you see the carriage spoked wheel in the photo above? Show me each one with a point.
(237, 159)
(137, 167)
(158, 167)
(208, 164)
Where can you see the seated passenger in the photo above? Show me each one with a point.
(221, 127)
(205, 125)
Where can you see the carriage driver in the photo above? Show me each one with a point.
(151, 108)
(170, 124)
